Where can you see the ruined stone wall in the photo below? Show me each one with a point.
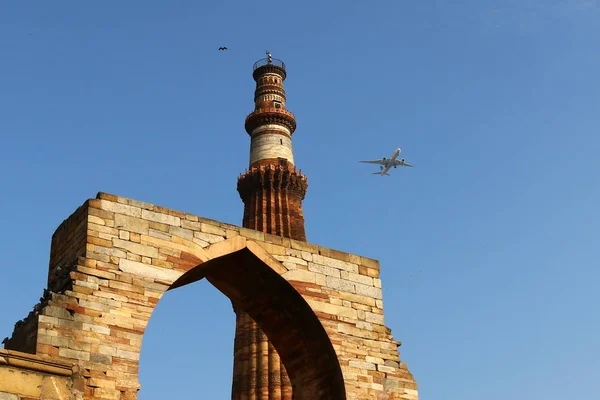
(313, 303)
(68, 244)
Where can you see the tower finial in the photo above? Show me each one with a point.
(269, 57)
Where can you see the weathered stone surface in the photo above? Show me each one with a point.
(98, 323)
(148, 271)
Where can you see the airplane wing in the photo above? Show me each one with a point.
(381, 162)
(401, 163)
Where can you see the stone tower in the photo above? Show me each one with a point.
(272, 191)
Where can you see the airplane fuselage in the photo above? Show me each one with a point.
(390, 161)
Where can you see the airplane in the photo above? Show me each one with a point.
(387, 163)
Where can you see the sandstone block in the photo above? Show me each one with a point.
(332, 309)
(158, 226)
(361, 307)
(200, 242)
(128, 355)
(252, 234)
(96, 329)
(364, 325)
(208, 237)
(230, 233)
(161, 218)
(95, 272)
(290, 259)
(300, 275)
(136, 248)
(374, 318)
(98, 212)
(94, 305)
(339, 284)
(332, 262)
(272, 249)
(110, 252)
(187, 234)
(95, 220)
(363, 365)
(190, 224)
(311, 248)
(148, 271)
(384, 368)
(324, 269)
(102, 383)
(360, 333)
(76, 354)
(374, 360)
(126, 287)
(58, 312)
(370, 291)
(321, 279)
(118, 208)
(356, 298)
(213, 229)
(159, 234)
(365, 280)
(106, 394)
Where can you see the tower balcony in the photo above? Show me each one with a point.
(265, 61)
(264, 116)
(264, 65)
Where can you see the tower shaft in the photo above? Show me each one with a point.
(272, 191)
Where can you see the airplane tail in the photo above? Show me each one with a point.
(380, 173)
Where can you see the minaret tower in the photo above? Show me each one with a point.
(272, 191)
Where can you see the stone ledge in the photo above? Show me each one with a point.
(33, 362)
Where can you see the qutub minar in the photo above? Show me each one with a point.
(272, 191)
(114, 258)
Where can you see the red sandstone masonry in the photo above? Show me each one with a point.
(99, 322)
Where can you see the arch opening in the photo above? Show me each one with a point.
(186, 346)
(287, 320)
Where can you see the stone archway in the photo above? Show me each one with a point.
(252, 280)
(118, 305)
(114, 258)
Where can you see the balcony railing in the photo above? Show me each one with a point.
(265, 61)
(271, 110)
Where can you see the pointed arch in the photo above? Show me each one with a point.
(251, 278)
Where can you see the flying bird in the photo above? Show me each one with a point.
(222, 48)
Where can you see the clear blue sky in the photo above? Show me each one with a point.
(489, 247)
